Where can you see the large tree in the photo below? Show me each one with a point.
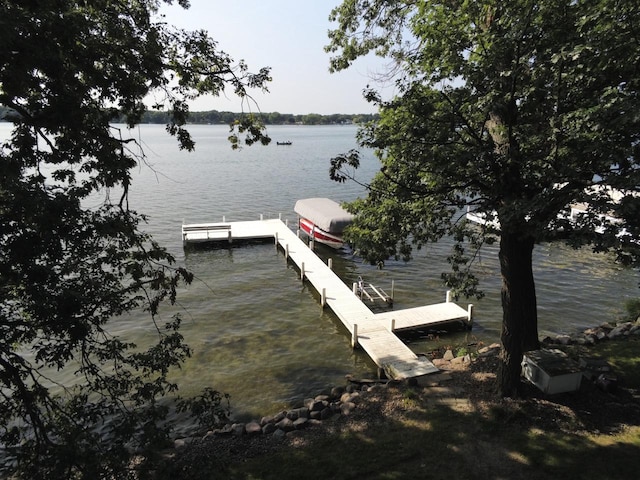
(514, 109)
(67, 69)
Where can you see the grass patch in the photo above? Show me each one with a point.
(451, 445)
(624, 357)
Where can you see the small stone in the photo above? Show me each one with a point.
(590, 339)
(619, 331)
(378, 387)
(303, 412)
(349, 397)
(563, 339)
(347, 407)
(269, 428)
(316, 406)
(279, 417)
(179, 443)
(336, 392)
(487, 351)
(315, 415)
(300, 423)
(285, 424)
(440, 362)
(269, 419)
(253, 428)
(225, 430)
(448, 355)
(238, 429)
(325, 414)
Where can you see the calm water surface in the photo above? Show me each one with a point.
(256, 331)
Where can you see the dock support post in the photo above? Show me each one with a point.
(393, 324)
(286, 251)
(224, 220)
(276, 240)
(261, 217)
(355, 289)
(280, 216)
(302, 271)
(470, 315)
(230, 237)
(448, 299)
(393, 287)
(330, 263)
(286, 222)
(354, 338)
(323, 297)
(298, 233)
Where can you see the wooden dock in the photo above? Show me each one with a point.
(373, 332)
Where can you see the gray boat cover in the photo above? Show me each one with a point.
(324, 213)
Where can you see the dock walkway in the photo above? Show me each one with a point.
(373, 332)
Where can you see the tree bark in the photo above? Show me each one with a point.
(519, 309)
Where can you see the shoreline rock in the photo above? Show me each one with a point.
(343, 400)
(591, 336)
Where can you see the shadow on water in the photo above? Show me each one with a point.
(224, 245)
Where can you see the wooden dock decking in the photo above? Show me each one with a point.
(373, 332)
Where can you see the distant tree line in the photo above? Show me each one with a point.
(274, 118)
(214, 117)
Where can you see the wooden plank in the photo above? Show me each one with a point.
(428, 315)
(374, 333)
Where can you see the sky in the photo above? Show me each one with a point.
(289, 36)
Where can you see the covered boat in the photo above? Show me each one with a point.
(323, 220)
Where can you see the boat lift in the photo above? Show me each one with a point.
(372, 293)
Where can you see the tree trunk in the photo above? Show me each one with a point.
(519, 310)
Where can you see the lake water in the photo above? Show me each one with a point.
(257, 332)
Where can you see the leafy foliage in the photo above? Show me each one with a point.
(516, 110)
(67, 270)
(632, 308)
(211, 408)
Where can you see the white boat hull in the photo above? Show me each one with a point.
(318, 235)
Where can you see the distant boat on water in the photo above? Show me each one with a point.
(284, 143)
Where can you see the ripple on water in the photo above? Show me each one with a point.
(256, 331)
